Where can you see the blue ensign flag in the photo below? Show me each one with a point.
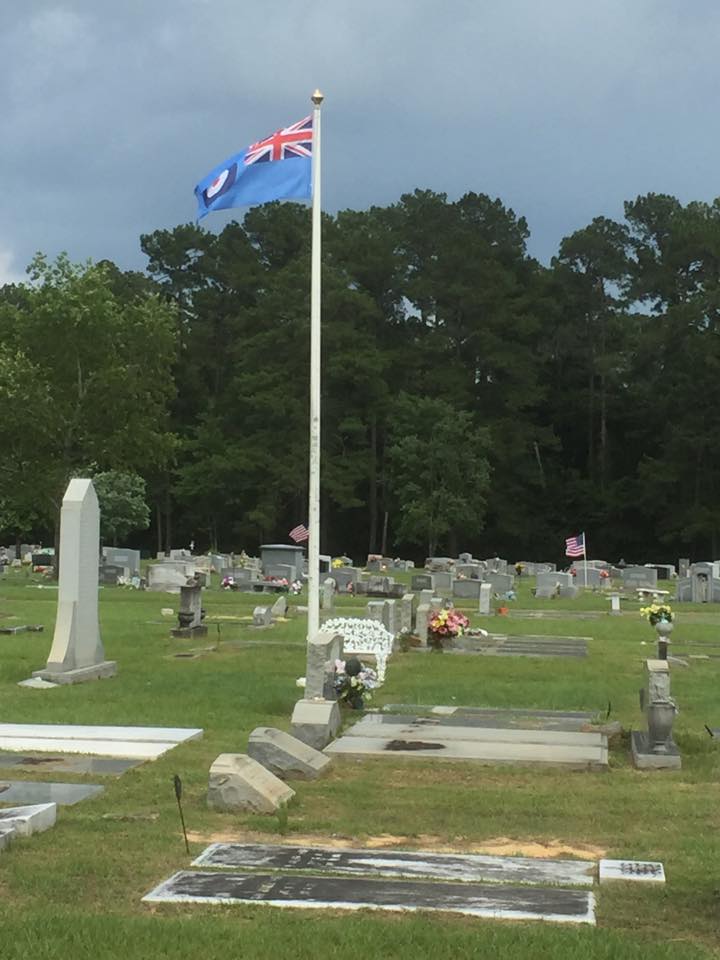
(276, 168)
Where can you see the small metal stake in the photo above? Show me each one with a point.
(177, 782)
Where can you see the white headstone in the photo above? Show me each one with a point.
(327, 595)
(485, 595)
(77, 652)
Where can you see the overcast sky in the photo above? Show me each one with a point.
(110, 112)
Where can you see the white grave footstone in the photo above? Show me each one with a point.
(77, 652)
(484, 600)
(645, 871)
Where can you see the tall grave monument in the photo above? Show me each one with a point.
(77, 652)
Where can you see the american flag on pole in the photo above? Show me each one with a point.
(300, 533)
(575, 546)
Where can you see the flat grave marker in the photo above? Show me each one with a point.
(20, 792)
(398, 863)
(100, 766)
(644, 871)
(342, 893)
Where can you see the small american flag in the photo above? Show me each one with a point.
(575, 546)
(300, 533)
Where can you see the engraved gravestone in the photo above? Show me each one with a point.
(421, 622)
(407, 612)
(327, 596)
(484, 599)
(389, 616)
(77, 652)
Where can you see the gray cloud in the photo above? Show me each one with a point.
(112, 112)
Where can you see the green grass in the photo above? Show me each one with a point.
(75, 891)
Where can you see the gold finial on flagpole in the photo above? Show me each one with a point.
(317, 98)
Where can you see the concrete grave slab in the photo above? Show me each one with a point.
(34, 792)
(643, 871)
(501, 645)
(586, 757)
(342, 893)
(72, 731)
(398, 863)
(143, 743)
(100, 766)
(237, 782)
(26, 820)
(498, 718)
(108, 748)
(369, 727)
(285, 756)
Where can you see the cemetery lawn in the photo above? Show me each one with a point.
(75, 891)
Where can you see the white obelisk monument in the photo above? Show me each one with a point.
(77, 652)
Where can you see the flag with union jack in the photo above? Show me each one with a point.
(575, 546)
(278, 167)
(292, 141)
(300, 533)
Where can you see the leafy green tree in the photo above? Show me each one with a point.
(438, 472)
(122, 504)
(93, 374)
(675, 373)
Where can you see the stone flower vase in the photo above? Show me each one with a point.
(664, 628)
(660, 716)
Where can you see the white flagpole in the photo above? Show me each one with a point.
(314, 484)
(585, 558)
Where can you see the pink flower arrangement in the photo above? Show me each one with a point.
(448, 623)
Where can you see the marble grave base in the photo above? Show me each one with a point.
(645, 759)
(343, 893)
(398, 863)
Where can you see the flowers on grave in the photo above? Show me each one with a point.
(658, 613)
(295, 587)
(366, 637)
(277, 581)
(604, 575)
(448, 623)
(354, 682)
(227, 583)
(337, 563)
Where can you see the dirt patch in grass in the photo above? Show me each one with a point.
(496, 846)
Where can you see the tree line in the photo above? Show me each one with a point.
(473, 398)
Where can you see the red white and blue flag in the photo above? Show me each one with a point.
(575, 546)
(292, 141)
(278, 167)
(300, 533)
